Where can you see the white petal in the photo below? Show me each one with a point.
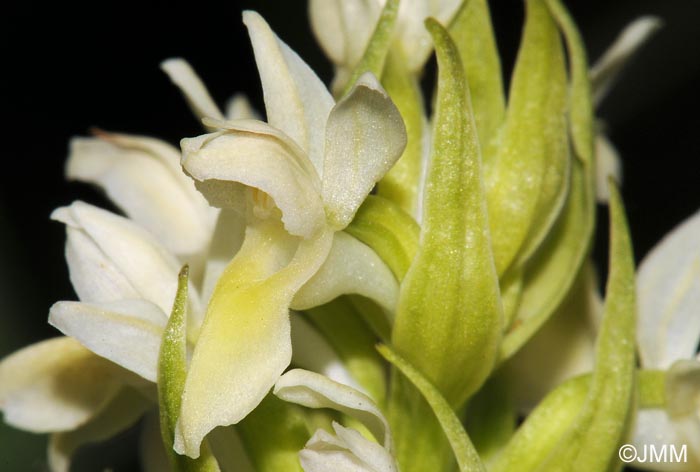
(365, 136)
(343, 27)
(668, 289)
(127, 332)
(606, 70)
(371, 453)
(348, 451)
(296, 100)
(310, 351)
(351, 268)
(313, 390)
(187, 80)
(116, 249)
(147, 183)
(121, 413)
(54, 385)
(607, 164)
(239, 108)
(262, 161)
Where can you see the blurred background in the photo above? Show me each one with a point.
(68, 67)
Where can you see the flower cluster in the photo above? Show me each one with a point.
(366, 281)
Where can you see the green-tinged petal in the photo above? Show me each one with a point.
(127, 332)
(466, 455)
(402, 183)
(365, 136)
(527, 179)
(311, 351)
(606, 70)
(377, 48)
(562, 348)
(273, 434)
(654, 429)
(348, 451)
(54, 385)
(354, 342)
(142, 176)
(449, 319)
(254, 154)
(351, 268)
(111, 258)
(552, 271)
(314, 390)
(389, 231)
(473, 33)
(245, 343)
(192, 87)
(593, 440)
(296, 100)
(121, 413)
(581, 105)
(172, 371)
(668, 286)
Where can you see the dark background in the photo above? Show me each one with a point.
(66, 68)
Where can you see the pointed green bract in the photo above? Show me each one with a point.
(580, 101)
(449, 316)
(172, 371)
(378, 46)
(467, 457)
(527, 179)
(402, 183)
(472, 31)
(593, 440)
(550, 274)
(390, 231)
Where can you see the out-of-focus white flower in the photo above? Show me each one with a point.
(343, 29)
(668, 286)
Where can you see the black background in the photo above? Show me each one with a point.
(68, 67)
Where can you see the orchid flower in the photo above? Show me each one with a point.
(668, 336)
(347, 449)
(344, 28)
(299, 179)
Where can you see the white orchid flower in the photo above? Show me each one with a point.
(668, 287)
(347, 450)
(302, 177)
(343, 29)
